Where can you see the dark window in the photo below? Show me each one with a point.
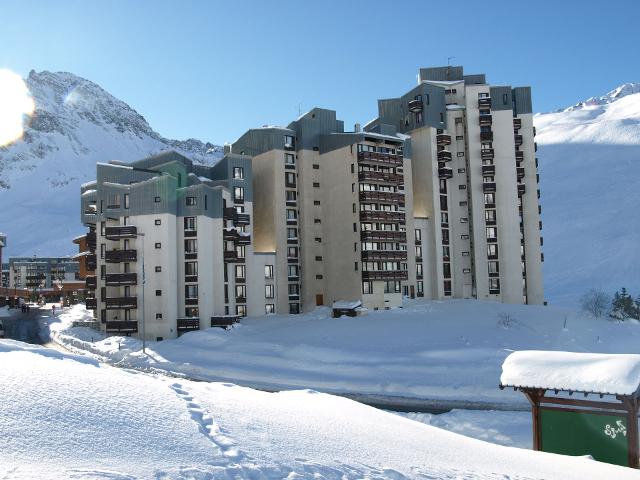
(158, 316)
(191, 201)
(316, 166)
(158, 245)
(316, 185)
(318, 258)
(158, 221)
(158, 269)
(158, 293)
(156, 199)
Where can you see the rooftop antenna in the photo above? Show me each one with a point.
(299, 107)
(449, 60)
(449, 67)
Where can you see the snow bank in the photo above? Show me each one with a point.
(65, 417)
(4, 312)
(581, 372)
(450, 351)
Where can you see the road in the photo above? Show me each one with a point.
(26, 327)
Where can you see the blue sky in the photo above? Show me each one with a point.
(212, 69)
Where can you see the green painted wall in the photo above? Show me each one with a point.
(571, 433)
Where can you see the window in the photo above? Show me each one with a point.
(489, 198)
(418, 234)
(190, 245)
(126, 200)
(317, 220)
(419, 270)
(103, 250)
(492, 250)
(446, 252)
(238, 194)
(158, 245)
(268, 291)
(464, 220)
(318, 258)
(316, 202)
(493, 267)
(316, 185)
(292, 270)
(491, 233)
(418, 251)
(289, 141)
(269, 308)
(490, 216)
(447, 288)
(420, 287)
(241, 293)
(464, 237)
(292, 233)
(241, 310)
(191, 201)
(191, 312)
(158, 221)
(462, 187)
(240, 271)
(268, 271)
(318, 277)
(494, 285)
(446, 270)
(290, 179)
(158, 316)
(158, 268)
(238, 172)
(460, 154)
(355, 266)
(463, 203)
(191, 268)
(291, 196)
(158, 293)
(294, 289)
(190, 223)
(294, 308)
(156, 199)
(318, 240)
(367, 287)
(292, 214)
(292, 252)
(316, 166)
(462, 170)
(289, 159)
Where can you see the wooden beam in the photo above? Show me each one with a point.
(534, 395)
(631, 402)
(584, 403)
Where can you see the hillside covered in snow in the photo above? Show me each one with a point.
(589, 177)
(76, 124)
(65, 416)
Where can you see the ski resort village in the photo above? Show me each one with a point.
(392, 259)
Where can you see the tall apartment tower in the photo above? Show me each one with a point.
(172, 242)
(475, 185)
(334, 208)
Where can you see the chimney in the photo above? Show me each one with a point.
(356, 128)
(227, 148)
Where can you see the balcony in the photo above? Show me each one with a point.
(230, 235)
(118, 232)
(386, 197)
(487, 153)
(382, 216)
(486, 136)
(385, 275)
(244, 238)
(117, 303)
(445, 172)
(489, 187)
(231, 257)
(118, 279)
(119, 256)
(381, 177)
(91, 240)
(188, 324)
(383, 235)
(484, 102)
(121, 326)
(443, 139)
(378, 157)
(520, 172)
(444, 156)
(521, 189)
(415, 106)
(485, 120)
(91, 303)
(518, 139)
(517, 124)
(488, 169)
(519, 156)
(91, 282)
(91, 262)
(384, 255)
(224, 321)
(232, 214)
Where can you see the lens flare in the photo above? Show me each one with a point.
(16, 106)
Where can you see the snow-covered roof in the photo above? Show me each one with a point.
(455, 106)
(615, 374)
(346, 304)
(381, 136)
(88, 193)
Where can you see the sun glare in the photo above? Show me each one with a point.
(16, 105)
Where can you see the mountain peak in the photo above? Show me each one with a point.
(616, 94)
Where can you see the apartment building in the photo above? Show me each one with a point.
(334, 208)
(475, 185)
(41, 272)
(3, 244)
(170, 243)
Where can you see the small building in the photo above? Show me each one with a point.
(581, 403)
(350, 308)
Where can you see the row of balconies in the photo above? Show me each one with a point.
(517, 124)
(112, 280)
(445, 172)
(484, 102)
(383, 177)
(488, 169)
(119, 256)
(444, 156)
(121, 326)
(378, 157)
(384, 255)
(383, 235)
(485, 119)
(385, 275)
(443, 139)
(376, 196)
(382, 216)
(188, 324)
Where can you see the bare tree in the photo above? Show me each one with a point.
(596, 303)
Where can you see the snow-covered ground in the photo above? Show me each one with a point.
(446, 351)
(66, 416)
(4, 312)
